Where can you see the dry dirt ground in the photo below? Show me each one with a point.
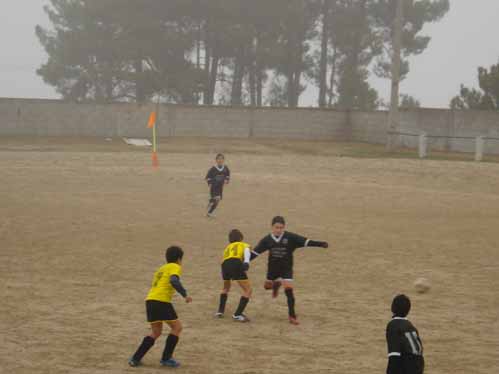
(84, 224)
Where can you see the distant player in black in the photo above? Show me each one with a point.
(218, 176)
(281, 245)
(405, 349)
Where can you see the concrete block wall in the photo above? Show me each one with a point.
(300, 124)
(371, 127)
(57, 118)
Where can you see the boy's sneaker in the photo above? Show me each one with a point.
(171, 363)
(240, 318)
(293, 321)
(133, 363)
(210, 215)
(219, 315)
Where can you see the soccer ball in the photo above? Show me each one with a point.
(422, 285)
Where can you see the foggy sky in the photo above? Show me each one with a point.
(465, 39)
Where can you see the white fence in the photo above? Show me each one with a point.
(424, 143)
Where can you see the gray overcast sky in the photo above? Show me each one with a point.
(462, 41)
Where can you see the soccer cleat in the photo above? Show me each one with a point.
(133, 363)
(293, 321)
(275, 289)
(219, 315)
(171, 363)
(210, 215)
(240, 318)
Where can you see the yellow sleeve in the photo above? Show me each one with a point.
(176, 270)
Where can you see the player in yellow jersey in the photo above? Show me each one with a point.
(235, 264)
(159, 309)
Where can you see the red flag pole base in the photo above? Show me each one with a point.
(155, 161)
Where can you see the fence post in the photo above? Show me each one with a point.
(479, 146)
(423, 146)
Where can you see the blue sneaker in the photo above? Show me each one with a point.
(171, 363)
(133, 363)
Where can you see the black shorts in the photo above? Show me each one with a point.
(232, 269)
(278, 271)
(159, 311)
(216, 191)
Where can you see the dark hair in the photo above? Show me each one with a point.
(401, 306)
(278, 219)
(173, 254)
(235, 236)
(220, 155)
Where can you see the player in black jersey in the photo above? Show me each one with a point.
(218, 176)
(281, 245)
(405, 349)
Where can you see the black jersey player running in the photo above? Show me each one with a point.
(217, 177)
(281, 245)
(405, 349)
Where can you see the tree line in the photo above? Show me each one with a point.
(234, 52)
(484, 98)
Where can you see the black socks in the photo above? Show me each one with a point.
(242, 304)
(213, 205)
(171, 343)
(144, 347)
(148, 342)
(223, 301)
(291, 302)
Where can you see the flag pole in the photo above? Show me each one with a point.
(153, 121)
(155, 162)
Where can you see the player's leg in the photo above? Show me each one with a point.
(214, 201)
(276, 285)
(147, 343)
(171, 343)
(215, 197)
(223, 299)
(287, 283)
(243, 301)
(273, 281)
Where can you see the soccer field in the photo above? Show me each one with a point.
(84, 224)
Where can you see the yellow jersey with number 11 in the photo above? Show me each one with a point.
(235, 250)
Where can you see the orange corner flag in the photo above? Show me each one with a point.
(152, 120)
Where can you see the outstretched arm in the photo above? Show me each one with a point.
(258, 250)
(315, 243)
(300, 242)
